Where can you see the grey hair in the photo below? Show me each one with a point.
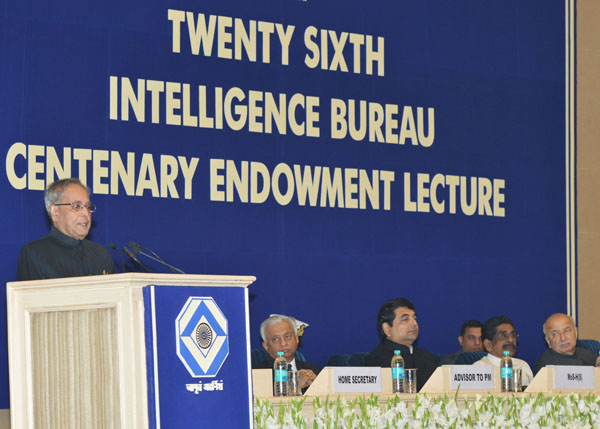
(278, 318)
(55, 190)
(551, 316)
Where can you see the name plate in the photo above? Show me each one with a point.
(574, 377)
(349, 379)
(472, 377)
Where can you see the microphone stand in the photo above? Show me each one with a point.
(133, 257)
(114, 247)
(138, 250)
(159, 260)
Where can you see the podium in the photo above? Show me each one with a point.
(132, 350)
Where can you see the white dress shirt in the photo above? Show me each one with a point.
(526, 373)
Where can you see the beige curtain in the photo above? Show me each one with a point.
(75, 369)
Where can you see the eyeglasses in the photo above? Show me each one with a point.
(79, 205)
(504, 335)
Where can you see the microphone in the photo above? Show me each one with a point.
(114, 247)
(138, 250)
(129, 253)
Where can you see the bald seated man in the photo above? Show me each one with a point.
(561, 335)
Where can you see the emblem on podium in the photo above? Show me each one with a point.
(202, 338)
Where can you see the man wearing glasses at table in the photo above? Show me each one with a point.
(65, 252)
(498, 335)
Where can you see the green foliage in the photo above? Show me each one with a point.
(365, 412)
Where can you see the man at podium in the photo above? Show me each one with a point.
(561, 335)
(65, 252)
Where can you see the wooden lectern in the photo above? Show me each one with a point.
(82, 352)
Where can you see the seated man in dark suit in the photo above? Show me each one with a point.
(561, 336)
(469, 340)
(279, 335)
(398, 330)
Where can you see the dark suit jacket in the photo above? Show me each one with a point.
(580, 357)
(424, 361)
(449, 360)
(268, 363)
(58, 255)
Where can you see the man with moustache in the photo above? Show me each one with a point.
(279, 334)
(499, 335)
(561, 335)
(398, 330)
(65, 252)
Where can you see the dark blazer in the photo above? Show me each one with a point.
(58, 255)
(268, 363)
(581, 356)
(424, 361)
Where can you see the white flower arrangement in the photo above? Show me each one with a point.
(569, 411)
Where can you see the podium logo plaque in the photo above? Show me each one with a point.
(202, 338)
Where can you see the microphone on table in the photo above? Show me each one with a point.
(139, 249)
(129, 253)
(114, 247)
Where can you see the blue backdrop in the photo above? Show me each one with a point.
(453, 93)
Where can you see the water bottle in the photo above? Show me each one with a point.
(506, 373)
(281, 375)
(397, 372)
(598, 359)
